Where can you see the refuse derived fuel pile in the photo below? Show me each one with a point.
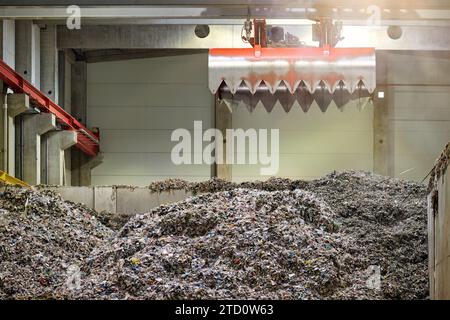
(41, 239)
(280, 239)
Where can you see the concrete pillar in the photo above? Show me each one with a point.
(442, 241)
(3, 132)
(66, 60)
(14, 105)
(383, 131)
(27, 50)
(27, 64)
(49, 63)
(1, 39)
(82, 166)
(79, 91)
(432, 206)
(7, 42)
(57, 143)
(33, 127)
(17, 104)
(7, 54)
(439, 232)
(223, 121)
(80, 162)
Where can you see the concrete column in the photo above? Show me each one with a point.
(432, 206)
(18, 103)
(14, 105)
(7, 54)
(82, 166)
(439, 234)
(33, 127)
(66, 60)
(49, 63)
(223, 121)
(7, 42)
(3, 132)
(27, 51)
(383, 132)
(57, 143)
(79, 91)
(1, 39)
(80, 162)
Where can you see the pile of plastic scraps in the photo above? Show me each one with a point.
(351, 235)
(43, 241)
(387, 220)
(235, 244)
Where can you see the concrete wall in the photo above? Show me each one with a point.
(439, 238)
(117, 199)
(421, 117)
(137, 104)
(312, 144)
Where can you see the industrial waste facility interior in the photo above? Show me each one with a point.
(206, 149)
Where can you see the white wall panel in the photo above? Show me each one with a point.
(312, 144)
(421, 118)
(136, 104)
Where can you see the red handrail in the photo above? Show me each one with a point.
(86, 140)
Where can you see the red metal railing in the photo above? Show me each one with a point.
(86, 140)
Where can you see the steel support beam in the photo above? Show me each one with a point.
(229, 36)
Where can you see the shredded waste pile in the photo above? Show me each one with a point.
(386, 219)
(42, 240)
(321, 239)
(348, 235)
(216, 185)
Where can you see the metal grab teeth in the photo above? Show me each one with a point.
(302, 96)
(291, 68)
(287, 76)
